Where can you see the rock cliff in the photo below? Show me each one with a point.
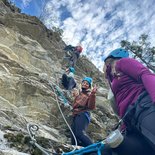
(31, 64)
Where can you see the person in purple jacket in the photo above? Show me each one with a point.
(133, 86)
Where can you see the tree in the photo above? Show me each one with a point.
(141, 50)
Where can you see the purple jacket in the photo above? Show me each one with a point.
(134, 78)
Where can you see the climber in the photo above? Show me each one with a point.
(84, 101)
(133, 86)
(68, 80)
(74, 53)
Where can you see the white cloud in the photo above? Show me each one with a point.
(101, 25)
(25, 3)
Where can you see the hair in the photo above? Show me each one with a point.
(111, 61)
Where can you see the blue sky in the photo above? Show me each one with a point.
(30, 7)
(99, 25)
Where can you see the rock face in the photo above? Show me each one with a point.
(31, 62)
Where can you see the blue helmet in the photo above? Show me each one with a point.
(89, 80)
(71, 69)
(118, 53)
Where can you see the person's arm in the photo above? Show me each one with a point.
(139, 72)
(92, 99)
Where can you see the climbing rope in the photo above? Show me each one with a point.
(53, 88)
(32, 129)
(96, 147)
(59, 95)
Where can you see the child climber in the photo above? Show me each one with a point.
(83, 103)
(68, 79)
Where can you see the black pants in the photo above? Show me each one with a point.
(148, 129)
(65, 81)
(146, 120)
(68, 82)
(133, 144)
(79, 126)
(142, 118)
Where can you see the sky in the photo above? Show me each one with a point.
(99, 25)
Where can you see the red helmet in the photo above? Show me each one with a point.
(79, 49)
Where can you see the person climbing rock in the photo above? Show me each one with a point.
(83, 103)
(74, 54)
(133, 86)
(68, 80)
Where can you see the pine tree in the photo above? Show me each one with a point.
(142, 50)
